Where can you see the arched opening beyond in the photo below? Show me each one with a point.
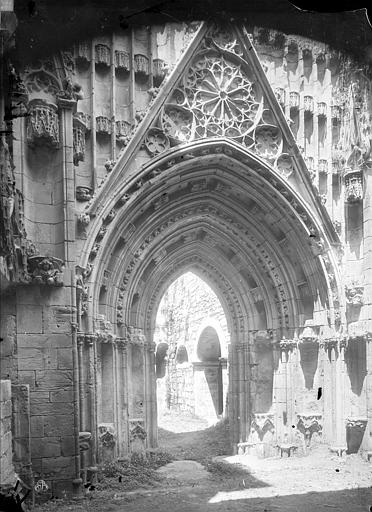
(190, 335)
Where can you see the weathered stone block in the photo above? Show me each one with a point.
(29, 319)
(57, 319)
(46, 341)
(63, 395)
(58, 425)
(53, 379)
(68, 446)
(51, 408)
(27, 377)
(58, 467)
(37, 426)
(65, 359)
(39, 396)
(46, 446)
(37, 359)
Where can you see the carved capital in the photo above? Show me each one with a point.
(84, 193)
(42, 124)
(308, 423)
(46, 270)
(356, 422)
(141, 64)
(353, 186)
(287, 345)
(102, 54)
(122, 60)
(263, 423)
(103, 125)
(84, 441)
(354, 294)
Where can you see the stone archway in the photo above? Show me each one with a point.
(271, 280)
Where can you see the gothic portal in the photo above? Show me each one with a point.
(239, 154)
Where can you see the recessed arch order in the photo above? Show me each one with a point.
(214, 207)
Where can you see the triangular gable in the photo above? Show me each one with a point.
(219, 89)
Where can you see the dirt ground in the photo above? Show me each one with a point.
(316, 482)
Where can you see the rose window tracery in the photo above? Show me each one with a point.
(214, 99)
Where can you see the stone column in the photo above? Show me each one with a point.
(241, 391)
(150, 382)
(367, 298)
(122, 436)
(66, 106)
(91, 384)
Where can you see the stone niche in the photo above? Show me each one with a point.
(106, 441)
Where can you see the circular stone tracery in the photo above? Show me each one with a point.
(221, 99)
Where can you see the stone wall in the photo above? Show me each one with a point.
(7, 476)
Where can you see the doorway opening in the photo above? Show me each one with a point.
(191, 337)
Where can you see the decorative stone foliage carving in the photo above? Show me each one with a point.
(84, 193)
(263, 423)
(268, 141)
(356, 422)
(288, 344)
(101, 233)
(156, 141)
(294, 101)
(323, 166)
(308, 105)
(322, 110)
(308, 424)
(122, 60)
(109, 165)
(18, 93)
(123, 132)
(284, 164)
(159, 71)
(103, 125)
(46, 270)
(14, 246)
(141, 65)
(110, 216)
(84, 441)
(137, 430)
(354, 293)
(280, 96)
(94, 251)
(80, 128)
(106, 435)
(353, 186)
(42, 124)
(329, 344)
(102, 54)
(84, 219)
(83, 51)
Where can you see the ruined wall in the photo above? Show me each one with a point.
(188, 306)
(7, 476)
